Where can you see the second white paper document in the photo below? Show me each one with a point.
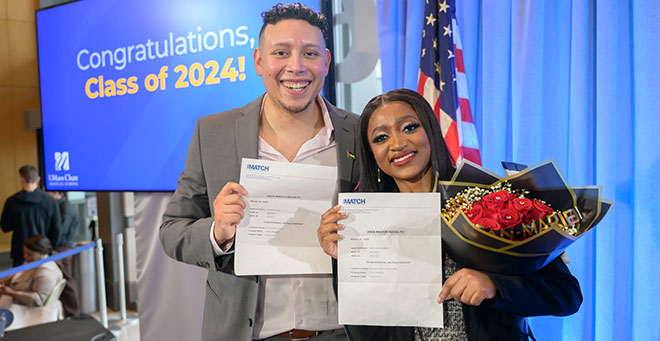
(390, 260)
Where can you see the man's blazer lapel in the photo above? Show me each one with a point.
(345, 134)
(247, 130)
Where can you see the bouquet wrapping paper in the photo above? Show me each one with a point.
(532, 243)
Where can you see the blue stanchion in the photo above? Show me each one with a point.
(58, 256)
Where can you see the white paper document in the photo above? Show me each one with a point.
(285, 201)
(390, 260)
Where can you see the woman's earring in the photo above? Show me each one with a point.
(378, 175)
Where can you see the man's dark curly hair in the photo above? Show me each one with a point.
(297, 11)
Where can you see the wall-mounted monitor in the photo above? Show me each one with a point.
(123, 81)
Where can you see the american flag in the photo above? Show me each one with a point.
(442, 80)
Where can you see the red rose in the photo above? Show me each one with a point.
(538, 211)
(474, 213)
(488, 223)
(488, 213)
(521, 205)
(509, 218)
(497, 200)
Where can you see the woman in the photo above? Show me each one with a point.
(402, 150)
(32, 287)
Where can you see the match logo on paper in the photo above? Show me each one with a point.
(258, 167)
(355, 201)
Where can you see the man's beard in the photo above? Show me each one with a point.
(296, 110)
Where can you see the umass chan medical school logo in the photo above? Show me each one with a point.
(62, 164)
(61, 161)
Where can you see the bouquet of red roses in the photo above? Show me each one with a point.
(517, 224)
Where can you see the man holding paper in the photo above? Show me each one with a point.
(290, 123)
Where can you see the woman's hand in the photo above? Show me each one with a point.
(468, 286)
(327, 231)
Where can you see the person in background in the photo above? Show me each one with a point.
(402, 150)
(32, 287)
(30, 212)
(69, 219)
(69, 215)
(292, 122)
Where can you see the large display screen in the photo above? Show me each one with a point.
(123, 81)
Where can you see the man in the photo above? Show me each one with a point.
(69, 219)
(30, 212)
(69, 216)
(290, 123)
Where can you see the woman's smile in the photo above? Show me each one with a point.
(401, 159)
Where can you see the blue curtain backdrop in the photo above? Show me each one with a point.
(576, 81)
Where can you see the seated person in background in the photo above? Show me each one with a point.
(69, 216)
(32, 287)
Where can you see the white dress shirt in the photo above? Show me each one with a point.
(296, 301)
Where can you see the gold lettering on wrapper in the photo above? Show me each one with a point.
(571, 217)
(530, 229)
(553, 220)
(507, 233)
(562, 218)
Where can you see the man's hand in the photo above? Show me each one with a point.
(468, 286)
(327, 231)
(228, 207)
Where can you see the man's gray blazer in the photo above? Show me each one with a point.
(219, 143)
